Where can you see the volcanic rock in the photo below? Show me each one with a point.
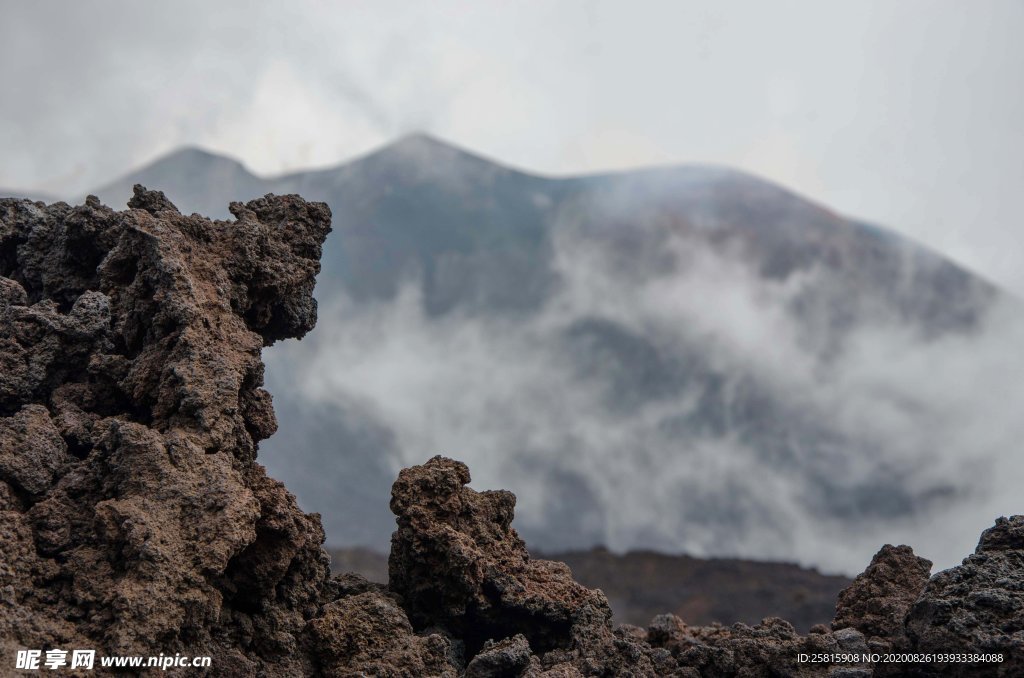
(457, 563)
(977, 605)
(877, 602)
(134, 520)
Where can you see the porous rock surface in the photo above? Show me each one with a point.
(135, 520)
(877, 601)
(978, 604)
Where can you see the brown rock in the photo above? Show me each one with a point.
(457, 563)
(369, 634)
(508, 658)
(877, 602)
(133, 519)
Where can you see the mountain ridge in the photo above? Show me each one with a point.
(180, 162)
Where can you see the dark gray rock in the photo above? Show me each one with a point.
(977, 606)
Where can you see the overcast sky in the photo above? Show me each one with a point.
(905, 113)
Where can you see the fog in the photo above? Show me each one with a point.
(898, 436)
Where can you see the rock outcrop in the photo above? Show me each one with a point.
(135, 520)
(877, 602)
(978, 604)
(458, 564)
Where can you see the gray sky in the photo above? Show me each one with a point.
(905, 113)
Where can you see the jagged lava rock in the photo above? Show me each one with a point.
(457, 563)
(977, 606)
(133, 519)
(877, 602)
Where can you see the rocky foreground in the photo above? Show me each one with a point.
(135, 520)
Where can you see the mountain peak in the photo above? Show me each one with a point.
(193, 178)
(419, 139)
(196, 157)
(423, 145)
(423, 154)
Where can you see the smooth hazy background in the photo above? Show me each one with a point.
(904, 113)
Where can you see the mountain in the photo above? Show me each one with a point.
(689, 359)
(479, 233)
(476, 231)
